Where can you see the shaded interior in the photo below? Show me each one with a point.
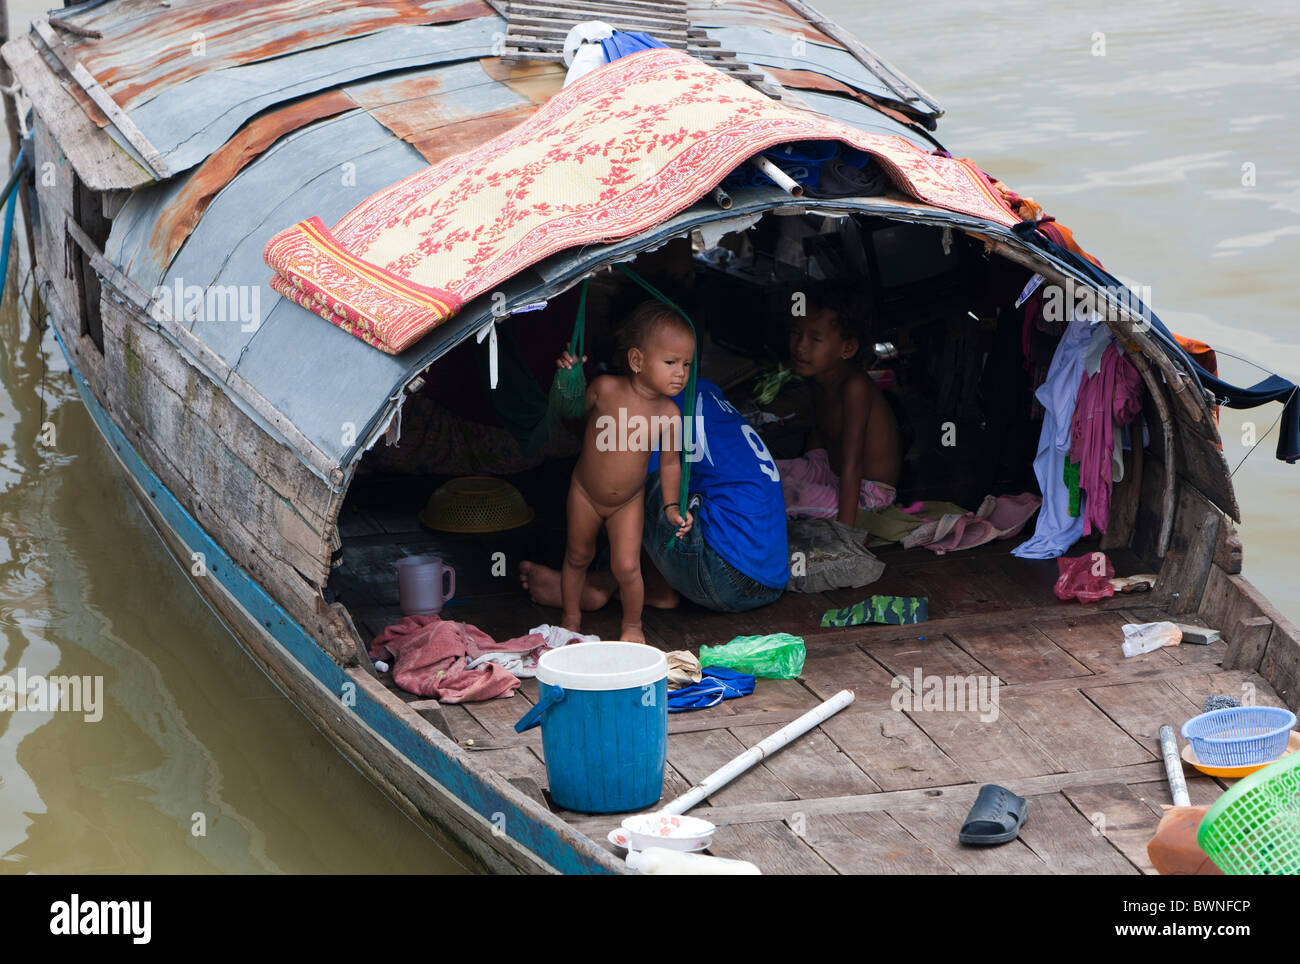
(873, 789)
(945, 346)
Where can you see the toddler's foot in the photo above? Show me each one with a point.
(572, 623)
(631, 634)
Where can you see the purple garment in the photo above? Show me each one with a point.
(1111, 397)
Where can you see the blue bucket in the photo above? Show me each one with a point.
(603, 708)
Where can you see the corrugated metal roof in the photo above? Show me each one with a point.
(355, 134)
(190, 120)
(147, 47)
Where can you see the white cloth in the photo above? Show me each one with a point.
(523, 663)
(582, 50)
(1056, 529)
(1101, 337)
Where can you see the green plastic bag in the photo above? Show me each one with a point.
(774, 656)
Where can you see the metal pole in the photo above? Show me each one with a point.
(1174, 767)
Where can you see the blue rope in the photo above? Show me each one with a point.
(11, 200)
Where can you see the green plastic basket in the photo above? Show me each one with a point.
(1254, 828)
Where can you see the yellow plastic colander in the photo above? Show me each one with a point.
(476, 503)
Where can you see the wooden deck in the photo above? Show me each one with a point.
(875, 789)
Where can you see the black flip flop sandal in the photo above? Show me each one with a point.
(996, 817)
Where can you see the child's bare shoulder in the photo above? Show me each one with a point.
(860, 387)
(605, 384)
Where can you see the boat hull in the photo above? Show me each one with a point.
(394, 747)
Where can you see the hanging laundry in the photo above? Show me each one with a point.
(1056, 531)
(431, 657)
(1111, 397)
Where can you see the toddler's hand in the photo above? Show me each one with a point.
(567, 360)
(683, 524)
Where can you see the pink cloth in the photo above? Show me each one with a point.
(997, 518)
(1111, 397)
(430, 657)
(1085, 578)
(812, 490)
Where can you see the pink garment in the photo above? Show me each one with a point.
(1111, 397)
(430, 657)
(997, 518)
(812, 490)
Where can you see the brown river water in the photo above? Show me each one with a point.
(1163, 134)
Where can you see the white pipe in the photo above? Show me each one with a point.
(1174, 767)
(783, 180)
(791, 731)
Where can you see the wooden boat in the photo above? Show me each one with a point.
(168, 144)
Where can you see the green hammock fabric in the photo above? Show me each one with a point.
(529, 414)
(568, 397)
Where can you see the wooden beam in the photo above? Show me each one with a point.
(1249, 641)
(102, 100)
(98, 160)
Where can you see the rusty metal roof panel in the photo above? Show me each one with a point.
(443, 110)
(188, 122)
(146, 47)
(319, 376)
(438, 110)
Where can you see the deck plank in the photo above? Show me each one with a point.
(932, 654)
(989, 750)
(1249, 687)
(1076, 733)
(870, 843)
(1019, 654)
(1201, 790)
(1094, 639)
(936, 825)
(772, 846)
(812, 766)
(893, 751)
(696, 755)
(1122, 818)
(1066, 841)
(500, 715)
(1142, 708)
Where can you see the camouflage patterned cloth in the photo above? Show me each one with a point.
(894, 610)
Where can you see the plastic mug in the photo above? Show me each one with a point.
(424, 584)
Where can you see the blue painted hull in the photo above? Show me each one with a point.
(475, 797)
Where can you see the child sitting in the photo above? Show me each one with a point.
(627, 415)
(854, 457)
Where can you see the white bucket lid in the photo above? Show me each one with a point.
(603, 665)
